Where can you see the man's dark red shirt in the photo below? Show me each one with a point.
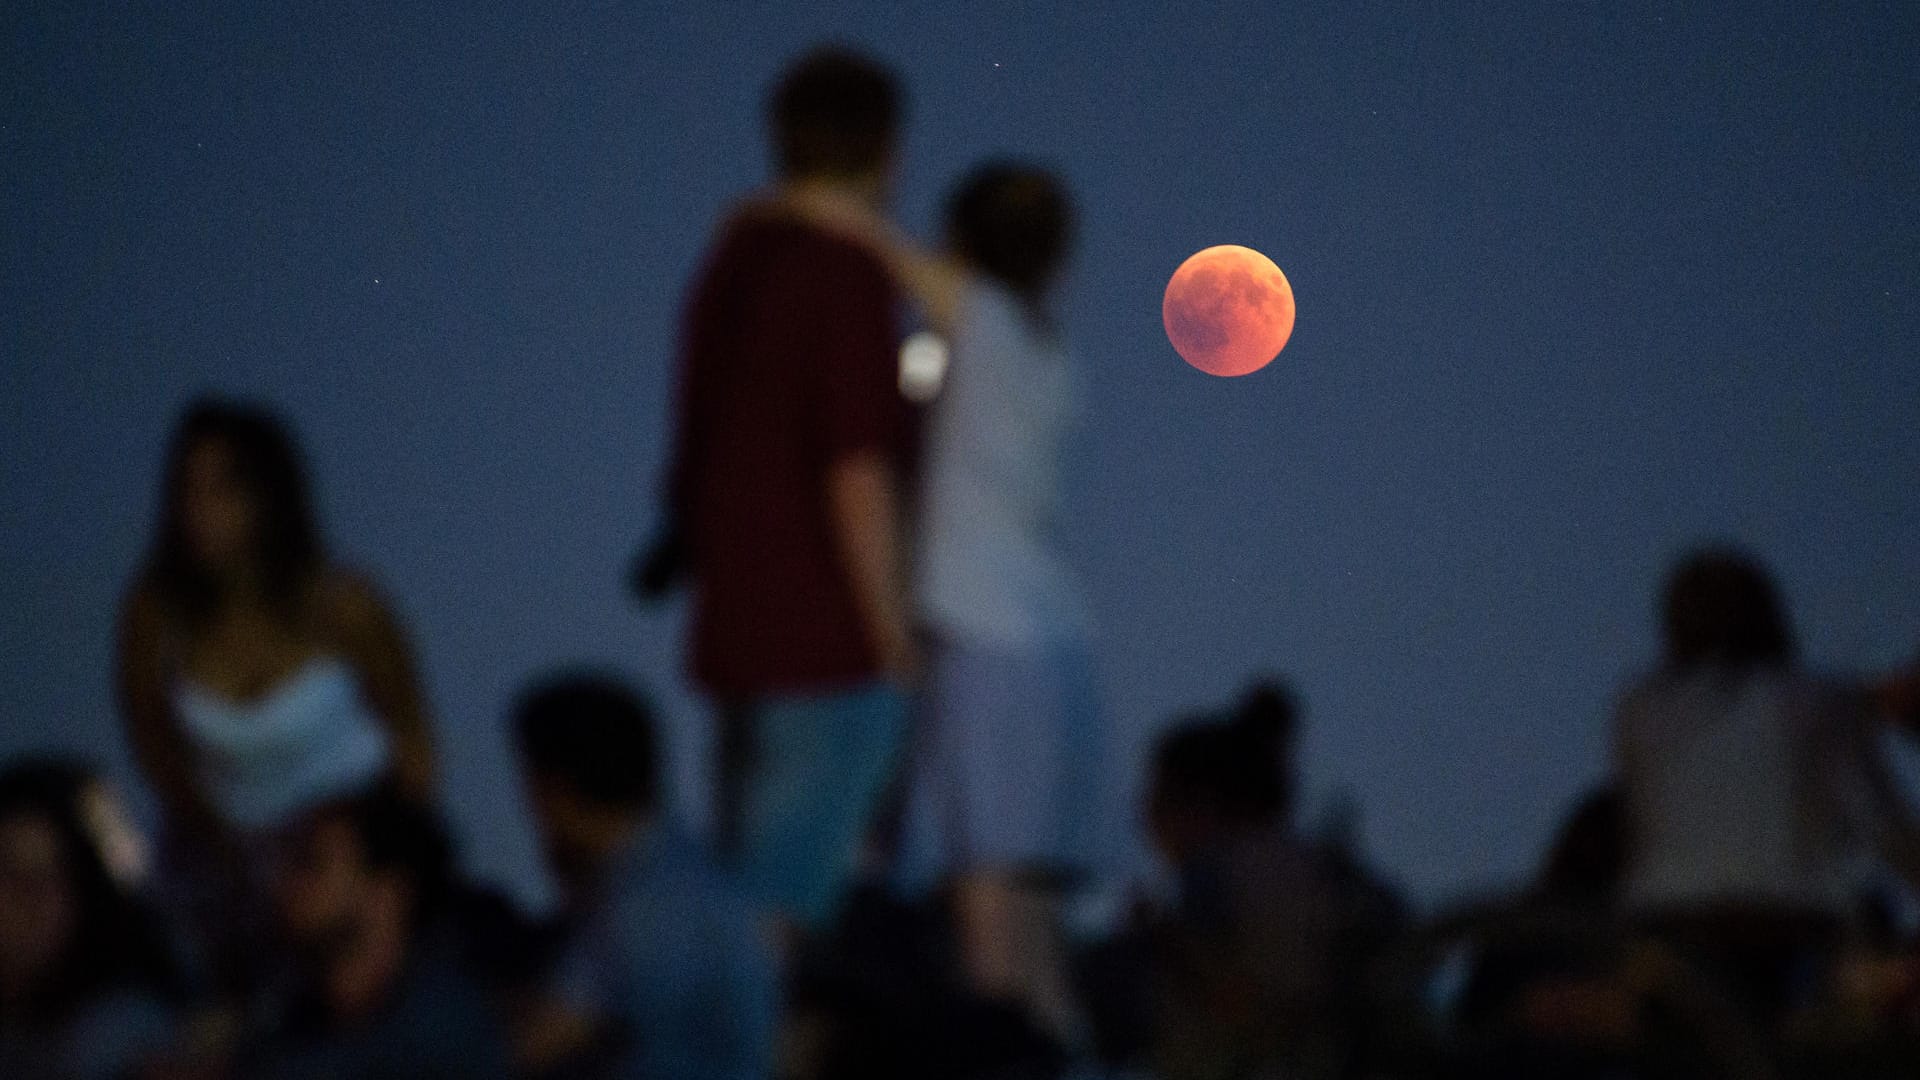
(788, 363)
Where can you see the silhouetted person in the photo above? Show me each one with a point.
(84, 980)
(1579, 884)
(1587, 865)
(381, 981)
(667, 972)
(785, 497)
(257, 678)
(1246, 974)
(1749, 785)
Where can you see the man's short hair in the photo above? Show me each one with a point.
(834, 113)
(593, 734)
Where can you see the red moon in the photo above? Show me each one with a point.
(1228, 310)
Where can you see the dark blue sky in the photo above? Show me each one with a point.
(1578, 284)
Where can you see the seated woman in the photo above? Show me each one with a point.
(1750, 787)
(82, 973)
(257, 678)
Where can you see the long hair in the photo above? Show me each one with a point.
(115, 941)
(1721, 610)
(267, 465)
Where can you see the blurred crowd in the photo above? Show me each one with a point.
(896, 883)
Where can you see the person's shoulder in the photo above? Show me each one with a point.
(1819, 684)
(682, 872)
(771, 234)
(984, 299)
(150, 630)
(742, 240)
(1640, 711)
(797, 257)
(349, 603)
(347, 591)
(143, 605)
(1826, 699)
(1646, 689)
(839, 257)
(991, 315)
(821, 252)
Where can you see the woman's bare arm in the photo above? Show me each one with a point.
(936, 282)
(374, 643)
(140, 678)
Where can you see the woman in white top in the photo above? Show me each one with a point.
(1751, 788)
(994, 784)
(257, 680)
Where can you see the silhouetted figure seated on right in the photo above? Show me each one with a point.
(1753, 790)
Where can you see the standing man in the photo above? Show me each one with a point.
(785, 500)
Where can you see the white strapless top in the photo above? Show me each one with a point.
(309, 739)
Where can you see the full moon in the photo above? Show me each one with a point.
(1228, 310)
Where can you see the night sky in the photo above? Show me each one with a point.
(1579, 284)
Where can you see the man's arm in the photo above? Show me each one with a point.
(864, 505)
(865, 428)
(935, 281)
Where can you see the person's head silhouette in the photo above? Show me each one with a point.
(1013, 223)
(834, 118)
(1721, 609)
